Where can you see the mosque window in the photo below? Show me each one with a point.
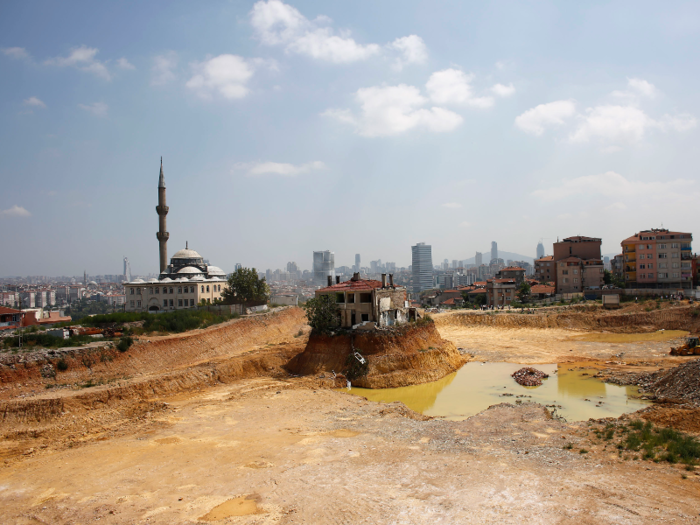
(157, 290)
(207, 288)
(179, 290)
(132, 291)
(165, 303)
(171, 291)
(202, 288)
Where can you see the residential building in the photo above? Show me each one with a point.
(578, 264)
(545, 269)
(658, 258)
(422, 263)
(360, 300)
(502, 289)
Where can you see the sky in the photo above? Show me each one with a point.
(356, 127)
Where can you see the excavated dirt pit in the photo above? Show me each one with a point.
(571, 390)
(661, 335)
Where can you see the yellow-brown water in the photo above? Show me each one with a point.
(477, 386)
(661, 335)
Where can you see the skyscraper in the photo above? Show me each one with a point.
(540, 250)
(324, 266)
(357, 262)
(494, 250)
(422, 266)
(479, 259)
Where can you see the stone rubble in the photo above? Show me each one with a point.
(529, 376)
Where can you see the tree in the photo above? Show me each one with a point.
(523, 292)
(611, 278)
(322, 313)
(245, 286)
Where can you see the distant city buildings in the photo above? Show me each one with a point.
(323, 267)
(357, 266)
(494, 250)
(540, 250)
(422, 265)
(478, 259)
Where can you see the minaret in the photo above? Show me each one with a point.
(162, 211)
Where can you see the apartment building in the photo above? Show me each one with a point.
(576, 265)
(545, 270)
(658, 258)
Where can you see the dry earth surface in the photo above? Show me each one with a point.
(210, 428)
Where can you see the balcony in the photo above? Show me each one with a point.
(686, 247)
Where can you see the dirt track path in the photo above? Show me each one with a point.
(324, 457)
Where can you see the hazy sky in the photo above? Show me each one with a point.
(358, 127)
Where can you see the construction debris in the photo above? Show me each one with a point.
(681, 383)
(529, 376)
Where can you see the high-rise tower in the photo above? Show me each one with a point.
(540, 250)
(162, 211)
(422, 267)
(494, 250)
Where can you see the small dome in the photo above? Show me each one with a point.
(186, 254)
(198, 277)
(215, 270)
(153, 280)
(167, 280)
(138, 281)
(92, 283)
(190, 270)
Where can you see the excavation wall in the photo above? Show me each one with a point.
(414, 354)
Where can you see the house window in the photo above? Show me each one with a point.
(179, 302)
(131, 303)
(171, 303)
(566, 280)
(663, 255)
(675, 245)
(674, 265)
(565, 272)
(650, 266)
(676, 274)
(575, 272)
(365, 317)
(662, 246)
(138, 304)
(165, 302)
(351, 298)
(365, 297)
(641, 267)
(674, 255)
(575, 280)
(191, 302)
(651, 276)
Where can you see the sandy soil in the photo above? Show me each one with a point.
(285, 455)
(214, 431)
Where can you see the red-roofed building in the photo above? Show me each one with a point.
(10, 318)
(658, 258)
(501, 290)
(360, 300)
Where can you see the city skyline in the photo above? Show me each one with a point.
(437, 106)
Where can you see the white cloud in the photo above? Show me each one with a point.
(613, 124)
(412, 50)
(277, 23)
(98, 109)
(15, 211)
(390, 110)
(123, 63)
(614, 185)
(682, 122)
(82, 58)
(225, 75)
(452, 86)
(162, 68)
(535, 120)
(503, 91)
(279, 168)
(18, 53)
(452, 205)
(637, 87)
(35, 102)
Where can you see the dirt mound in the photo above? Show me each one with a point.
(676, 318)
(409, 355)
(529, 376)
(681, 383)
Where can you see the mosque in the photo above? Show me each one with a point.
(184, 283)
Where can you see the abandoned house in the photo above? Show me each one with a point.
(365, 300)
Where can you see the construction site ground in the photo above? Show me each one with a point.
(209, 428)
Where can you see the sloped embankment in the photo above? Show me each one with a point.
(680, 318)
(405, 356)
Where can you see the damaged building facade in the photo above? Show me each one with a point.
(369, 301)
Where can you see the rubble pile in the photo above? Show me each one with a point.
(679, 383)
(529, 376)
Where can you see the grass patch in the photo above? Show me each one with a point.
(661, 444)
(169, 322)
(34, 340)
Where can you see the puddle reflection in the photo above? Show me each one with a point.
(477, 386)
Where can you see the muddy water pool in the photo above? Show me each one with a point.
(476, 386)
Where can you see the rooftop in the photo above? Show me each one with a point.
(360, 284)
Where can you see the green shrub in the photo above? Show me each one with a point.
(62, 365)
(124, 343)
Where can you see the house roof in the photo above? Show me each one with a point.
(476, 291)
(349, 286)
(512, 269)
(656, 233)
(579, 238)
(6, 310)
(450, 301)
(542, 288)
(545, 258)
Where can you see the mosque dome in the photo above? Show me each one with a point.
(215, 270)
(189, 270)
(186, 254)
(138, 281)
